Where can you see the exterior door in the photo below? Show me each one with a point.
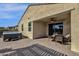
(51, 31)
(55, 28)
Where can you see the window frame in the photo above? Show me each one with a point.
(29, 26)
(22, 27)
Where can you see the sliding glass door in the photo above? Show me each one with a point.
(55, 28)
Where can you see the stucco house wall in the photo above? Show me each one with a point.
(38, 12)
(39, 29)
(75, 29)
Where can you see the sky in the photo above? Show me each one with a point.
(10, 14)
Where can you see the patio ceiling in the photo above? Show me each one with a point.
(56, 14)
(57, 17)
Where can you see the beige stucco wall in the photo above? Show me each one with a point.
(37, 11)
(41, 11)
(67, 25)
(75, 29)
(25, 32)
(39, 29)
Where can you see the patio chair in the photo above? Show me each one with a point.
(53, 36)
(59, 38)
(63, 39)
(67, 38)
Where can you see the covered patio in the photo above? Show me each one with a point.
(54, 24)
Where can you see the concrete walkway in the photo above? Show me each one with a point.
(23, 43)
(35, 50)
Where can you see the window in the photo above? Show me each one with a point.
(22, 27)
(29, 26)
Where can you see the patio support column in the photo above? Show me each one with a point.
(75, 29)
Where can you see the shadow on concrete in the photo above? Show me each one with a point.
(5, 50)
(34, 50)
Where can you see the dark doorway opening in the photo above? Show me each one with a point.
(55, 28)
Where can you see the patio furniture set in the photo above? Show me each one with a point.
(61, 38)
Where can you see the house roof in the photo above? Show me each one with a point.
(33, 4)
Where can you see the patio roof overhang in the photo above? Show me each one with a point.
(52, 14)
